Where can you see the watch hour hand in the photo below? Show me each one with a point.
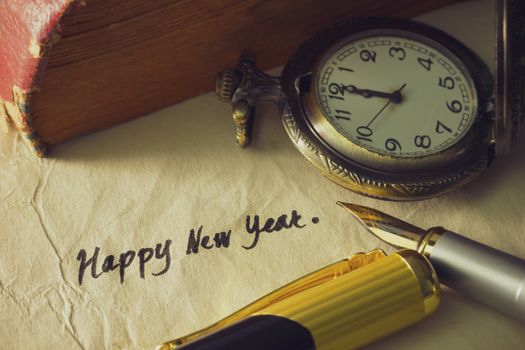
(395, 96)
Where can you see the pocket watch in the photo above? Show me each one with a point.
(391, 108)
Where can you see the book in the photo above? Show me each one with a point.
(71, 67)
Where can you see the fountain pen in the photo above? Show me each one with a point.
(342, 306)
(476, 270)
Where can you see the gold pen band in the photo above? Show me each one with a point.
(343, 306)
(366, 304)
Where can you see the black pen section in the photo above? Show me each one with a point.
(261, 332)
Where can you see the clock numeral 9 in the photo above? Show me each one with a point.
(422, 141)
(398, 52)
(367, 55)
(447, 83)
(392, 145)
(455, 106)
(364, 133)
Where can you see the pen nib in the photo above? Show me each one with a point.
(396, 232)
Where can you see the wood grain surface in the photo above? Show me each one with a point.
(118, 60)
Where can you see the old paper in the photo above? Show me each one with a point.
(137, 191)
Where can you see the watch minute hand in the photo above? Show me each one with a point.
(386, 105)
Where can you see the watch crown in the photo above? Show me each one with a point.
(226, 83)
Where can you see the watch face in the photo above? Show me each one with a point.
(396, 93)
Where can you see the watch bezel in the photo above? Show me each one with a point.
(379, 177)
(322, 127)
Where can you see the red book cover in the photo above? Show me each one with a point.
(173, 50)
(28, 28)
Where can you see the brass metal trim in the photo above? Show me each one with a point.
(384, 176)
(340, 144)
(355, 179)
(426, 276)
(427, 244)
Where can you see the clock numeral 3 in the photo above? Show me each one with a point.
(455, 106)
(364, 133)
(392, 145)
(367, 55)
(422, 141)
(447, 83)
(397, 52)
(441, 128)
(425, 63)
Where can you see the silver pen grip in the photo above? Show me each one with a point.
(486, 274)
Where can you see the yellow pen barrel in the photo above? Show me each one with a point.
(345, 305)
(367, 304)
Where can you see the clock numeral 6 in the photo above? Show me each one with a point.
(455, 106)
(364, 133)
(447, 83)
(367, 55)
(422, 141)
(392, 145)
(398, 52)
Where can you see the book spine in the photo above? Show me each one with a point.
(28, 30)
